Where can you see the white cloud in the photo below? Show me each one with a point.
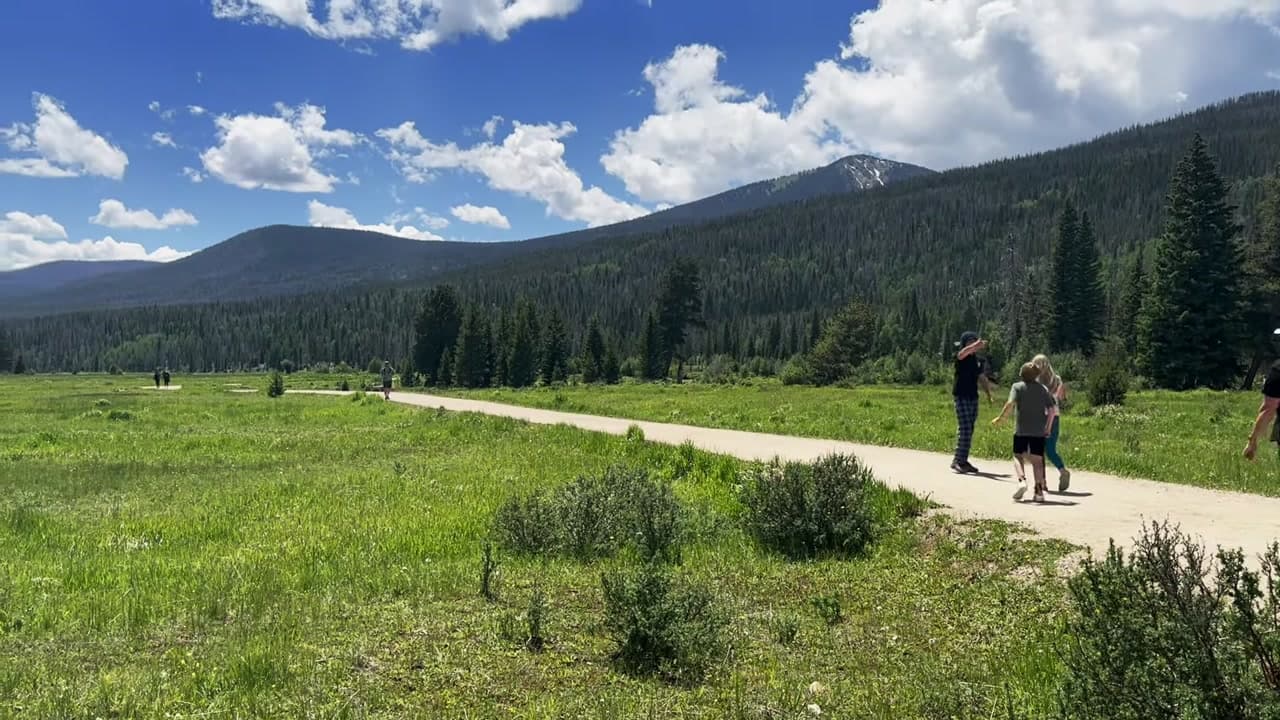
(477, 215)
(420, 216)
(154, 106)
(706, 136)
(192, 174)
(64, 149)
(163, 138)
(27, 240)
(948, 82)
(199, 77)
(275, 152)
(491, 126)
(113, 214)
(41, 227)
(321, 215)
(529, 162)
(196, 110)
(416, 24)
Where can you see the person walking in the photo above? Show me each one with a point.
(156, 377)
(387, 375)
(1034, 404)
(166, 376)
(1053, 383)
(1268, 410)
(964, 391)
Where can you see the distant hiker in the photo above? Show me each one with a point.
(1034, 403)
(165, 375)
(965, 392)
(156, 376)
(1267, 412)
(387, 375)
(1053, 383)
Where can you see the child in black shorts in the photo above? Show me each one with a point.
(1033, 402)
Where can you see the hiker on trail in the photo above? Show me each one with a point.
(965, 393)
(1267, 412)
(156, 376)
(387, 374)
(165, 375)
(1053, 383)
(1035, 404)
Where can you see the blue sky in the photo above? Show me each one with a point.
(154, 128)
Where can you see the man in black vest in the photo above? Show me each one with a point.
(965, 392)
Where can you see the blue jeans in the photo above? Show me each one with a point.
(1051, 445)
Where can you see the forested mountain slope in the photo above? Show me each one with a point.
(932, 253)
(16, 284)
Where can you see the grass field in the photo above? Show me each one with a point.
(199, 553)
(1193, 438)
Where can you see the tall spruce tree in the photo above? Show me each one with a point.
(1124, 324)
(502, 349)
(1060, 281)
(679, 308)
(651, 354)
(1192, 329)
(522, 365)
(1076, 294)
(472, 354)
(612, 368)
(1090, 294)
(593, 353)
(844, 344)
(436, 329)
(555, 351)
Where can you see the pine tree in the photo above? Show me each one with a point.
(1125, 318)
(502, 349)
(593, 353)
(1263, 279)
(651, 355)
(679, 308)
(1192, 326)
(471, 353)
(555, 351)
(444, 368)
(1090, 296)
(19, 366)
(522, 365)
(1061, 298)
(435, 330)
(844, 344)
(612, 368)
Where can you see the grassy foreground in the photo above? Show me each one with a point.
(1193, 438)
(202, 554)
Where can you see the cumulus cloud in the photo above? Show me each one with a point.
(490, 127)
(196, 110)
(321, 215)
(27, 240)
(419, 216)
(948, 82)
(192, 174)
(416, 24)
(706, 136)
(56, 145)
(164, 139)
(275, 152)
(113, 214)
(477, 215)
(529, 162)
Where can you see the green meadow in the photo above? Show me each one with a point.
(207, 554)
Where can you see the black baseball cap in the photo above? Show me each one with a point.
(969, 337)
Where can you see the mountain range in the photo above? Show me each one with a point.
(288, 260)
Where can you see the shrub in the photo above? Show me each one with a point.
(535, 620)
(720, 370)
(1109, 379)
(662, 626)
(526, 524)
(635, 433)
(287, 366)
(796, 372)
(829, 609)
(275, 385)
(115, 370)
(1155, 635)
(119, 415)
(653, 516)
(804, 511)
(344, 386)
(784, 629)
(375, 366)
(586, 517)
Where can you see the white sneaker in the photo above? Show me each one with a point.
(1021, 491)
(1039, 497)
(1064, 480)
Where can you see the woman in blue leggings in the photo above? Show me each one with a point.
(1058, 389)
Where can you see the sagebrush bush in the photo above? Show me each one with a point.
(1159, 634)
(661, 625)
(275, 385)
(594, 516)
(804, 511)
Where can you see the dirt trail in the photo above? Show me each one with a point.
(1098, 508)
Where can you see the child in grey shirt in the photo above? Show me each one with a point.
(1034, 403)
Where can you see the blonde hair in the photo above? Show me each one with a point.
(1029, 373)
(1046, 375)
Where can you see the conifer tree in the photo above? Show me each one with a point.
(555, 351)
(1192, 325)
(1125, 318)
(502, 349)
(436, 329)
(844, 345)
(593, 353)
(444, 368)
(19, 366)
(1090, 304)
(679, 308)
(6, 351)
(612, 368)
(1263, 280)
(471, 354)
(522, 365)
(651, 355)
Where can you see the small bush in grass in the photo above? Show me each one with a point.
(1159, 634)
(653, 516)
(527, 524)
(344, 386)
(1109, 379)
(586, 517)
(663, 625)
(275, 385)
(829, 609)
(535, 620)
(635, 433)
(804, 511)
(784, 628)
(102, 403)
(796, 372)
(115, 370)
(119, 415)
